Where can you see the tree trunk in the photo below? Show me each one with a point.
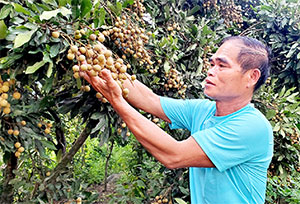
(67, 158)
(7, 195)
(106, 164)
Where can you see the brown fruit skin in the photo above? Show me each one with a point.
(10, 131)
(55, 34)
(21, 149)
(16, 133)
(47, 130)
(17, 145)
(17, 154)
(16, 95)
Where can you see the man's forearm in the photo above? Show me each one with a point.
(140, 96)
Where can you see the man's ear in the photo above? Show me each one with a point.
(253, 76)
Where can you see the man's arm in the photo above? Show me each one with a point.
(140, 96)
(167, 150)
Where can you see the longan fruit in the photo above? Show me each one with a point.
(55, 34)
(16, 132)
(17, 154)
(3, 103)
(70, 56)
(99, 95)
(16, 95)
(17, 145)
(21, 149)
(101, 37)
(10, 131)
(47, 130)
(4, 96)
(48, 173)
(93, 37)
(74, 48)
(6, 110)
(23, 122)
(5, 88)
(75, 68)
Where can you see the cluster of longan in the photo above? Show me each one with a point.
(228, 10)
(19, 148)
(174, 81)
(15, 131)
(173, 27)
(45, 126)
(295, 136)
(231, 12)
(5, 86)
(160, 199)
(94, 57)
(131, 39)
(123, 126)
(205, 58)
(138, 9)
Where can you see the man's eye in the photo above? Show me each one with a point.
(222, 65)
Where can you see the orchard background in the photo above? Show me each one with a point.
(60, 143)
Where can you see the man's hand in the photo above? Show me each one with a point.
(105, 84)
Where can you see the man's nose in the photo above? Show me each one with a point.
(212, 70)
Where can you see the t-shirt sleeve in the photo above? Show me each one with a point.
(178, 111)
(235, 142)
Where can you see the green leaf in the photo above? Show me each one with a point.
(64, 11)
(23, 38)
(194, 10)
(86, 6)
(54, 50)
(21, 9)
(167, 66)
(48, 144)
(102, 16)
(4, 12)
(101, 123)
(46, 15)
(3, 30)
(35, 67)
(180, 201)
(50, 69)
(62, 2)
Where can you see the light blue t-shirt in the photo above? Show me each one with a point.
(240, 145)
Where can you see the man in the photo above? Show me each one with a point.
(231, 142)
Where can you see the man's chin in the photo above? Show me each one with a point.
(208, 95)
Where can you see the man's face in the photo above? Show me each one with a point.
(225, 80)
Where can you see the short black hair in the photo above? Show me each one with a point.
(254, 54)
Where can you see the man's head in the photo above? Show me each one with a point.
(253, 54)
(239, 67)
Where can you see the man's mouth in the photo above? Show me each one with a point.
(208, 82)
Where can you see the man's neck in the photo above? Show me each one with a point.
(227, 107)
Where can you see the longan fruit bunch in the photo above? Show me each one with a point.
(5, 90)
(46, 126)
(19, 148)
(94, 57)
(161, 199)
(174, 81)
(123, 126)
(173, 27)
(228, 10)
(130, 38)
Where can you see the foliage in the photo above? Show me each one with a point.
(277, 23)
(185, 34)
